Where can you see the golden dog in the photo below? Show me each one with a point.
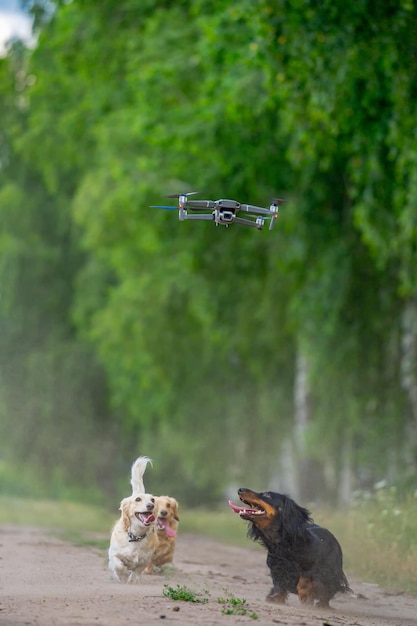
(166, 524)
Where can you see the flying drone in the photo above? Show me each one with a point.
(223, 212)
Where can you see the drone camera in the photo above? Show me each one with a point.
(227, 216)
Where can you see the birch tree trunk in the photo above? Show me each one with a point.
(308, 472)
(409, 376)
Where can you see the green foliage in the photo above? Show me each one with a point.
(122, 327)
(236, 606)
(183, 593)
(385, 522)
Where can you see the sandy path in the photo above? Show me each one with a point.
(46, 582)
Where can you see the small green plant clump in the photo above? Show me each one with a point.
(231, 605)
(236, 606)
(181, 592)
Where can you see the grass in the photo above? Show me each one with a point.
(378, 535)
(74, 522)
(379, 539)
(222, 525)
(230, 604)
(184, 594)
(236, 606)
(57, 514)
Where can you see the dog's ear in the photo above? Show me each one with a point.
(176, 506)
(294, 517)
(124, 508)
(157, 503)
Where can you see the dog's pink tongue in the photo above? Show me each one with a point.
(171, 532)
(235, 508)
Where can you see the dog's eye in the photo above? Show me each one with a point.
(153, 500)
(168, 506)
(138, 499)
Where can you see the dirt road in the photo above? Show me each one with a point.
(47, 582)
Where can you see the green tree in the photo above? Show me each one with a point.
(195, 333)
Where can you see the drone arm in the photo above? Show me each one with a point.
(240, 220)
(203, 216)
(255, 209)
(201, 205)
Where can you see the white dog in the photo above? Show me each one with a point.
(134, 538)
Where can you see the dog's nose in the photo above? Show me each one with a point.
(240, 490)
(150, 506)
(163, 513)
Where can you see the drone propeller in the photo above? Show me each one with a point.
(167, 208)
(178, 195)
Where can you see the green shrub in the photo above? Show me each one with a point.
(378, 535)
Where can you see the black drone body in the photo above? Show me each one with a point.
(224, 212)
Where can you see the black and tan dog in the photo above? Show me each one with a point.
(303, 558)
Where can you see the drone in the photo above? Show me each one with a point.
(223, 212)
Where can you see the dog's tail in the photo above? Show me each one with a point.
(138, 470)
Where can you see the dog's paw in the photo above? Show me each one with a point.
(278, 597)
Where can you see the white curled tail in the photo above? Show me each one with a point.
(138, 470)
